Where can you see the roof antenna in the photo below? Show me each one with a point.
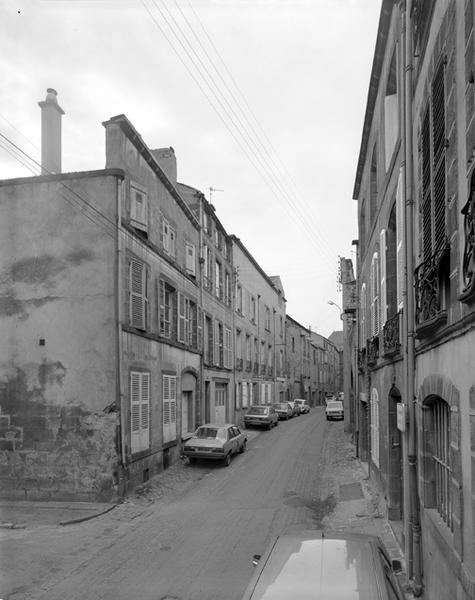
(211, 190)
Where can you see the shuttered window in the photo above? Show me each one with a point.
(138, 294)
(375, 296)
(383, 281)
(168, 237)
(139, 411)
(190, 259)
(138, 207)
(364, 333)
(166, 302)
(227, 348)
(433, 170)
(375, 427)
(169, 407)
(400, 241)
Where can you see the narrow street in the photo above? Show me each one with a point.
(190, 544)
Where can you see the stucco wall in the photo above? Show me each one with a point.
(57, 367)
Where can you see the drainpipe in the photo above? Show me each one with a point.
(201, 405)
(413, 544)
(119, 306)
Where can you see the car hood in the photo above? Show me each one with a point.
(317, 568)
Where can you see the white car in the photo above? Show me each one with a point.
(334, 410)
(303, 405)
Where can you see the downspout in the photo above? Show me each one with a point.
(119, 305)
(201, 405)
(413, 544)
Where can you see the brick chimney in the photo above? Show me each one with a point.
(51, 114)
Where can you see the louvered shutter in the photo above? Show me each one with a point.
(363, 315)
(375, 300)
(400, 241)
(135, 411)
(199, 328)
(169, 408)
(181, 318)
(190, 258)
(139, 411)
(439, 150)
(137, 294)
(383, 253)
(216, 342)
(244, 395)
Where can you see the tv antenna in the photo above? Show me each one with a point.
(211, 190)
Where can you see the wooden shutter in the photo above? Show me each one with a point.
(244, 395)
(400, 241)
(383, 253)
(216, 342)
(139, 411)
(364, 334)
(227, 348)
(190, 258)
(138, 304)
(169, 408)
(199, 328)
(374, 401)
(181, 312)
(375, 299)
(439, 150)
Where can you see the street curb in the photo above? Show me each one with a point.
(87, 517)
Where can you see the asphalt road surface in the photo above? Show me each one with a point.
(195, 544)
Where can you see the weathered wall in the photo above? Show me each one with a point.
(57, 325)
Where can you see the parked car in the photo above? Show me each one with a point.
(283, 410)
(317, 564)
(216, 442)
(334, 410)
(261, 416)
(295, 408)
(303, 405)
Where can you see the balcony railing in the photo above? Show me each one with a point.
(372, 350)
(362, 359)
(429, 290)
(391, 336)
(239, 364)
(468, 264)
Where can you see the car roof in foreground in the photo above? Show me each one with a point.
(305, 565)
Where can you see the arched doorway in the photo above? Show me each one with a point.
(395, 492)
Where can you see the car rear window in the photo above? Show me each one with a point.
(335, 404)
(257, 410)
(281, 405)
(210, 433)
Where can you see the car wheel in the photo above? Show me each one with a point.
(269, 426)
(191, 460)
(227, 460)
(243, 447)
(276, 423)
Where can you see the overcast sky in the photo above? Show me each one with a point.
(263, 99)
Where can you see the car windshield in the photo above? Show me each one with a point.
(210, 433)
(257, 410)
(335, 404)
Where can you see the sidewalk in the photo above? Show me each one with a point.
(360, 507)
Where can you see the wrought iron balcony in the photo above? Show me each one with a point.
(372, 350)
(391, 335)
(468, 265)
(428, 291)
(362, 359)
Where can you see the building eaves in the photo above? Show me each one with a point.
(136, 139)
(63, 176)
(381, 40)
(296, 323)
(238, 242)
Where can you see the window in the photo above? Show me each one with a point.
(209, 341)
(375, 297)
(373, 205)
(239, 299)
(227, 348)
(375, 427)
(391, 119)
(217, 238)
(184, 320)
(399, 241)
(227, 288)
(190, 262)
(432, 144)
(293, 344)
(166, 308)
(169, 407)
(139, 411)
(248, 348)
(168, 238)
(252, 308)
(437, 432)
(364, 333)
(138, 207)
(383, 279)
(138, 294)
(218, 343)
(267, 318)
(218, 281)
(207, 268)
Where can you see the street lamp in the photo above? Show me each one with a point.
(331, 303)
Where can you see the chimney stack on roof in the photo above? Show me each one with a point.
(51, 114)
